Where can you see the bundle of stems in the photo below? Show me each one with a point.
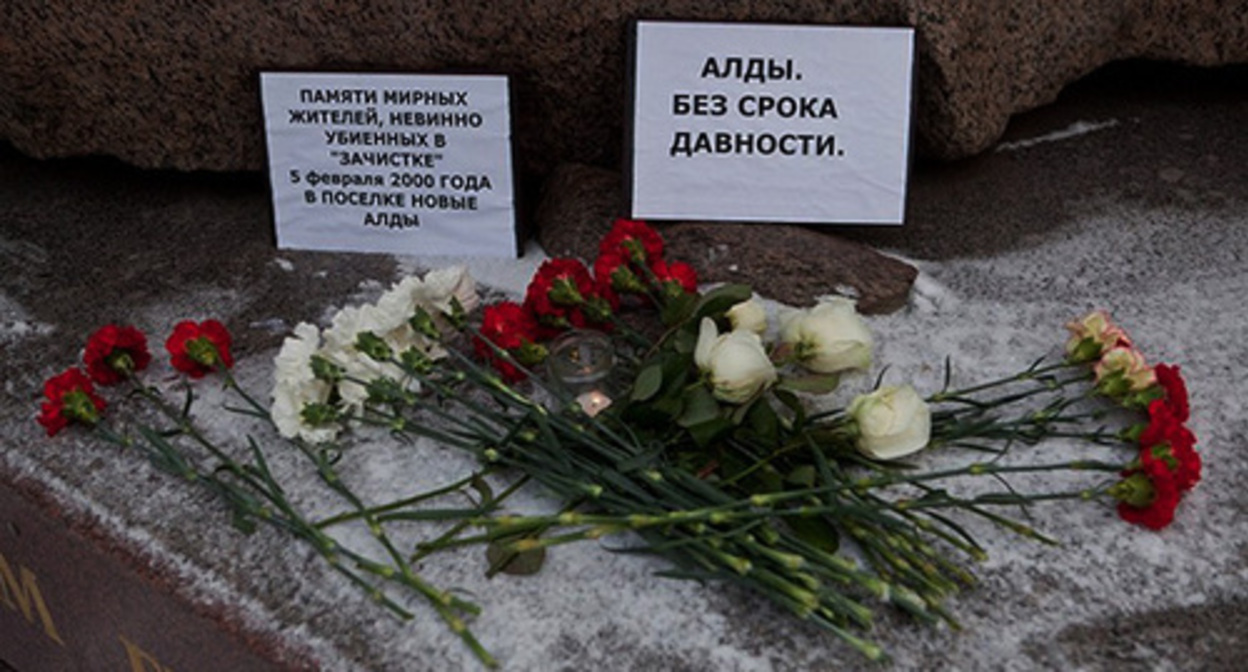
(904, 551)
(179, 447)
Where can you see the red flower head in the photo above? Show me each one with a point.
(1147, 496)
(614, 275)
(558, 292)
(1168, 441)
(197, 349)
(512, 328)
(634, 240)
(676, 277)
(115, 353)
(70, 397)
(1171, 381)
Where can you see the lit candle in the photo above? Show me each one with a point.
(593, 402)
(581, 363)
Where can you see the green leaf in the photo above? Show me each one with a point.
(794, 404)
(717, 301)
(816, 532)
(706, 433)
(503, 559)
(677, 310)
(700, 408)
(676, 371)
(764, 422)
(813, 384)
(669, 406)
(649, 382)
(685, 341)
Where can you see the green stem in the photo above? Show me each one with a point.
(403, 503)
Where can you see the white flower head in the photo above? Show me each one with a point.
(400, 302)
(455, 282)
(340, 349)
(892, 422)
(295, 387)
(736, 362)
(828, 338)
(749, 315)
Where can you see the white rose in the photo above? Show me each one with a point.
(736, 362)
(828, 338)
(749, 316)
(892, 422)
(295, 386)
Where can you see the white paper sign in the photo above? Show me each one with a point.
(740, 122)
(404, 164)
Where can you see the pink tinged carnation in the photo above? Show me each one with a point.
(1093, 335)
(1121, 371)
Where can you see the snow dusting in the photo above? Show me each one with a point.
(591, 608)
(1074, 130)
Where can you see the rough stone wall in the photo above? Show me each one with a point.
(173, 83)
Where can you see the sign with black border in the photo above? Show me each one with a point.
(396, 163)
(766, 122)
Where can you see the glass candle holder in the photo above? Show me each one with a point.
(580, 363)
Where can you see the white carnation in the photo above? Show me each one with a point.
(295, 386)
(443, 284)
(340, 349)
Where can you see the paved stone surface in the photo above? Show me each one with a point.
(172, 84)
(1130, 193)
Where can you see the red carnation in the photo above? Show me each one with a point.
(1179, 458)
(615, 275)
(1171, 381)
(558, 291)
(1147, 496)
(197, 349)
(70, 397)
(634, 240)
(677, 274)
(512, 328)
(1168, 441)
(115, 353)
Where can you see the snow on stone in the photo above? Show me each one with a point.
(591, 608)
(15, 322)
(1074, 130)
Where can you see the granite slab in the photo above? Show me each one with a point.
(1125, 195)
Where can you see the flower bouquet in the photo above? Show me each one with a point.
(706, 429)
